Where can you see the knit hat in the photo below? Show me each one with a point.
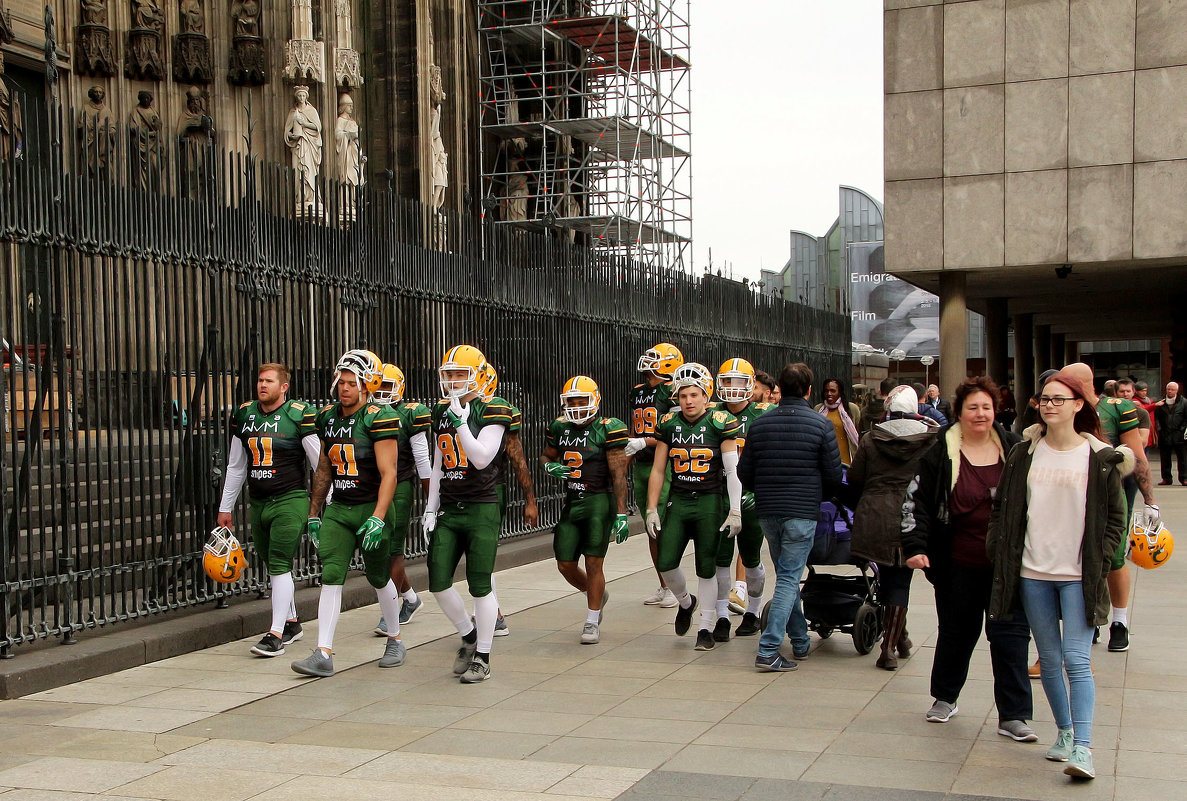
(902, 399)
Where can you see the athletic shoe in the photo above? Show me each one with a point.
(748, 627)
(590, 634)
(501, 629)
(1080, 764)
(291, 633)
(656, 597)
(393, 653)
(669, 600)
(721, 632)
(318, 663)
(1118, 642)
(1017, 730)
(1035, 671)
(380, 628)
(407, 610)
(684, 617)
(1062, 750)
(800, 656)
(602, 608)
(476, 672)
(737, 602)
(465, 655)
(775, 663)
(705, 641)
(269, 645)
(941, 712)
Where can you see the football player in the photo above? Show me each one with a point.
(412, 464)
(698, 443)
(650, 401)
(462, 512)
(271, 440)
(588, 453)
(736, 388)
(764, 386)
(360, 447)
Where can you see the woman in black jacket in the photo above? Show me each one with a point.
(945, 521)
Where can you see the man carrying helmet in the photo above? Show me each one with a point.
(271, 440)
(650, 401)
(587, 452)
(698, 443)
(462, 514)
(360, 448)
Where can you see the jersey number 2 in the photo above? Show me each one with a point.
(573, 460)
(342, 457)
(261, 451)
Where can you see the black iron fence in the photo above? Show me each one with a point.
(142, 279)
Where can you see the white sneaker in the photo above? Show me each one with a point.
(590, 634)
(656, 597)
(669, 600)
(738, 601)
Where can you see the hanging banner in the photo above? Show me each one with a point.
(888, 312)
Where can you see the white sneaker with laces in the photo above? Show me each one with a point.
(655, 597)
(590, 634)
(669, 600)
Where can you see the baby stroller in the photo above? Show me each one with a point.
(832, 602)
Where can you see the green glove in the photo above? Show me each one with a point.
(313, 529)
(371, 532)
(747, 501)
(620, 529)
(557, 469)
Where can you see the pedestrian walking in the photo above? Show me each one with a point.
(1170, 416)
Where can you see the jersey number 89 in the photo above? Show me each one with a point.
(644, 420)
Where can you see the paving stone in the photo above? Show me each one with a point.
(675, 783)
(74, 775)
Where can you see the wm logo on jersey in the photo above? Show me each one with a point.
(253, 427)
(344, 431)
(684, 438)
(570, 441)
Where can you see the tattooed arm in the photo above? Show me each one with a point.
(523, 477)
(321, 487)
(617, 460)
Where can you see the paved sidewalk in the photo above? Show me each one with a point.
(640, 715)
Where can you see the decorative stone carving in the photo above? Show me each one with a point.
(195, 126)
(439, 159)
(144, 139)
(92, 41)
(192, 62)
(11, 127)
(144, 59)
(249, 53)
(196, 134)
(304, 58)
(516, 205)
(96, 130)
(347, 70)
(347, 144)
(303, 137)
(6, 34)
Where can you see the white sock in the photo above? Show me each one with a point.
(676, 583)
(708, 603)
(486, 612)
(453, 607)
(740, 587)
(293, 603)
(754, 604)
(756, 581)
(410, 596)
(592, 615)
(283, 590)
(723, 590)
(329, 607)
(1121, 616)
(389, 605)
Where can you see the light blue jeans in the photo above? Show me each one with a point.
(1046, 603)
(790, 541)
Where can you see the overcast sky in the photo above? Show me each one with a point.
(787, 106)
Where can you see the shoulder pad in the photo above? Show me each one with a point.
(667, 416)
(298, 405)
(295, 411)
(638, 386)
(327, 407)
(373, 409)
(561, 419)
(763, 405)
(606, 421)
(720, 417)
(245, 405)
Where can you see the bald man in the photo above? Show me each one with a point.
(1119, 419)
(1170, 415)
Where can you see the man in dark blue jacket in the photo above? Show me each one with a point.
(791, 463)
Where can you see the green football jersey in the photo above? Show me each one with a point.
(348, 441)
(273, 443)
(462, 482)
(747, 415)
(414, 419)
(1117, 415)
(648, 405)
(584, 448)
(694, 449)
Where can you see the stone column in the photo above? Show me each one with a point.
(1024, 359)
(996, 347)
(1058, 349)
(1042, 350)
(953, 331)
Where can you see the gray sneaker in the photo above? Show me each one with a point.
(407, 610)
(941, 712)
(393, 653)
(501, 629)
(1017, 730)
(465, 655)
(476, 672)
(1061, 751)
(602, 608)
(380, 628)
(318, 664)
(590, 634)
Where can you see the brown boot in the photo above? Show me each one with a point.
(894, 618)
(905, 646)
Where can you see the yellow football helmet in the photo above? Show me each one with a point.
(584, 388)
(366, 366)
(391, 389)
(662, 360)
(1149, 547)
(222, 556)
(489, 383)
(462, 358)
(735, 368)
(692, 374)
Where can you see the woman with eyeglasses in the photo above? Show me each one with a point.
(945, 519)
(1058, 517)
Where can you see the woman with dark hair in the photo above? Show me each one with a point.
(945, 519)
(844, 416)
(1057, 520)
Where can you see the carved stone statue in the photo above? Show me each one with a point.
(249, 53)
(438, 157)
(11, 128)
(6, 34)
(347, 65)
(96, 130)
(516, 205)
(303, 137)
(192, 62)
(144, 135)
(92, 41)
(194, 125)
(145, 60)
(347, 144)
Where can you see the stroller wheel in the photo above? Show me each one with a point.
(866, 628)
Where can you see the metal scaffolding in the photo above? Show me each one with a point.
(585, 123)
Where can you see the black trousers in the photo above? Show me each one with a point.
(1179, 450)
(962, 600)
